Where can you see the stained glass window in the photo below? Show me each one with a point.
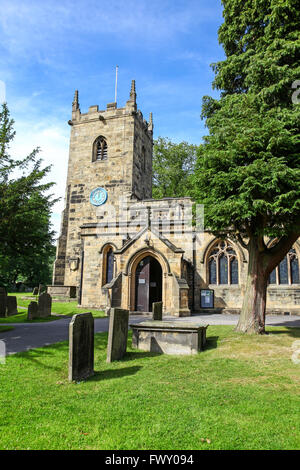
(287, 272)
(234, 273)
(295, 270)
(283, 271)
(223, 264)
(212, 271)
(109, 265)
(272, 278)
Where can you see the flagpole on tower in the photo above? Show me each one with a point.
(116, 83)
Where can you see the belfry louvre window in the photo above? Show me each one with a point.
(223, 267)
(100, 149)
(287, 272)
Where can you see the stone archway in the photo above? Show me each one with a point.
(147, 279)
(148, 284)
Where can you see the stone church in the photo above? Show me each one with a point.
(120, 247)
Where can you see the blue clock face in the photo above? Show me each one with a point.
(98, 196)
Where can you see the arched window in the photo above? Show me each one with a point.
(287, 272)
(107, 264)
(223, 267)
(100, 149)
(212, 267)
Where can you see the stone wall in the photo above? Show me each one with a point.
(134, 225)
(121, 174)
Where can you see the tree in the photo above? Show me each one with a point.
(26, 238)
(173, 165)
(248, 170)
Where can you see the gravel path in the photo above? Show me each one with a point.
(26, 336)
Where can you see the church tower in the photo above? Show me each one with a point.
(110, 157)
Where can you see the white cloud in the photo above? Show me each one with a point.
(46, 24)
(53, 141)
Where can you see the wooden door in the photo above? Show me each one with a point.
(155, 284)
(142, 280)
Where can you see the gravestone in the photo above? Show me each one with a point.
(44, 305)
(42, 289)
(157, 311)
(117, 334)
(35, 291)
(11, 305)
(81, 347)
(3, 301)
(32, 312)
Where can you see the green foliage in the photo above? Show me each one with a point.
(173, 165)
(262, 47)
(26, 238)
(248, 170)
(5, 328)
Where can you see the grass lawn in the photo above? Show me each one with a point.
(62, 308)
(22, 318)
(242, 392)
(5, 328)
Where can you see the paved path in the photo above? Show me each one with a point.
(223, 319)
(26, 336)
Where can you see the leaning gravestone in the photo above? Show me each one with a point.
(157, 311)
(35, 291)
(11, 305)
(81, 347)
(44, 305)
(117, 334)
(32, 311)
(3, 301)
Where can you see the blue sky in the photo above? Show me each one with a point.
(48, 49)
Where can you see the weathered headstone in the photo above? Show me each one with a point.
(32, 311)
(157, 311)
(11, 305)
(117, 334)
(35, 291)
(42, 289)
(44, 305)
(3, 301)
(81, 346)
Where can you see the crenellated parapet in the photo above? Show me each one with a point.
(111, 112)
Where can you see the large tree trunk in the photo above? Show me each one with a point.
(262, 261)
(252, 317)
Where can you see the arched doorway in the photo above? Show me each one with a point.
(148, 284)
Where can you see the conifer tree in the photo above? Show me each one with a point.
(248, 170)
(26, 237)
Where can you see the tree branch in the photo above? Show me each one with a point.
(284, 243)
(241, 241)
(277, 252)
